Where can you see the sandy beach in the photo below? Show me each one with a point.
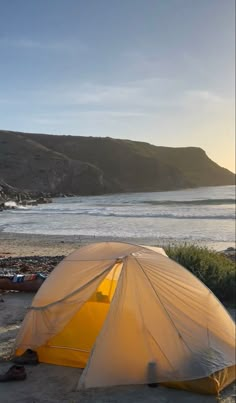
(39, 245)
(46, 245)
(15, 244)
(52, 245)
(51, 384)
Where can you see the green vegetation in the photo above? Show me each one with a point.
(215, 270)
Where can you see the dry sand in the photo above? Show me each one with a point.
(51, 383)
(51, 245)
(39, 245)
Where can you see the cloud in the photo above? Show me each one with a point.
(91, 115)
(204, 96)
(94, 94)
(143, 94)
(147, 98)
(148, 94)
(27, 44)
(85, 96)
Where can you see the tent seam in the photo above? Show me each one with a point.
(148, 331)
(86, 369)
(158, 297)
(37, 308)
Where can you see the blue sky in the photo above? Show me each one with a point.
(160, 71)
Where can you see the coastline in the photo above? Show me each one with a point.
(15, 244)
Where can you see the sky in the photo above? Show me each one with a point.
(160, 71)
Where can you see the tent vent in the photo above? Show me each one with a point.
(120, 259)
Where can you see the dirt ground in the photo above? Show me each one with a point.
(52, 384)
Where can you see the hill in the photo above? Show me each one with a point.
(91, 165)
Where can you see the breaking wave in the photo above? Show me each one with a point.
(135, 214)
(202, 202)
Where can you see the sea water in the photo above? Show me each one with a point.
(204, 215)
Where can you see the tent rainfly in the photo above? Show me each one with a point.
(128, 314)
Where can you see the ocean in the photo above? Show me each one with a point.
(204, 215)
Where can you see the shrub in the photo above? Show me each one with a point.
(215, 270)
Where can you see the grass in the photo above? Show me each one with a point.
(215, 270)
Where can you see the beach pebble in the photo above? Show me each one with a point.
(28, 264)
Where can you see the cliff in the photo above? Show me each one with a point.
(90, 165)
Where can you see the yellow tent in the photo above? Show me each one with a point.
(130, 315)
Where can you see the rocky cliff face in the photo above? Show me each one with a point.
(86, 165)
(28, 165)
(7, 192)
(23, 198)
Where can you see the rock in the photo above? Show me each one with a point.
(29, 264)
(9, 205)
(11, 197)
(29, 202)
(42, 200)
(230, 253)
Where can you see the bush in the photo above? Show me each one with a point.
(215, 270)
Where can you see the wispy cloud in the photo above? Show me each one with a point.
(143, 94)
(94, 94)
(84, 96)
(204, 96)
(92, 115)
(26, 43)
(147, 97)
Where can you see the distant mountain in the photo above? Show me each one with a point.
(91, 165)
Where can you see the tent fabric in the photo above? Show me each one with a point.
(116, 309)
(210, 385)
(56, 304)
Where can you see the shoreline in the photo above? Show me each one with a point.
(16, 244)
